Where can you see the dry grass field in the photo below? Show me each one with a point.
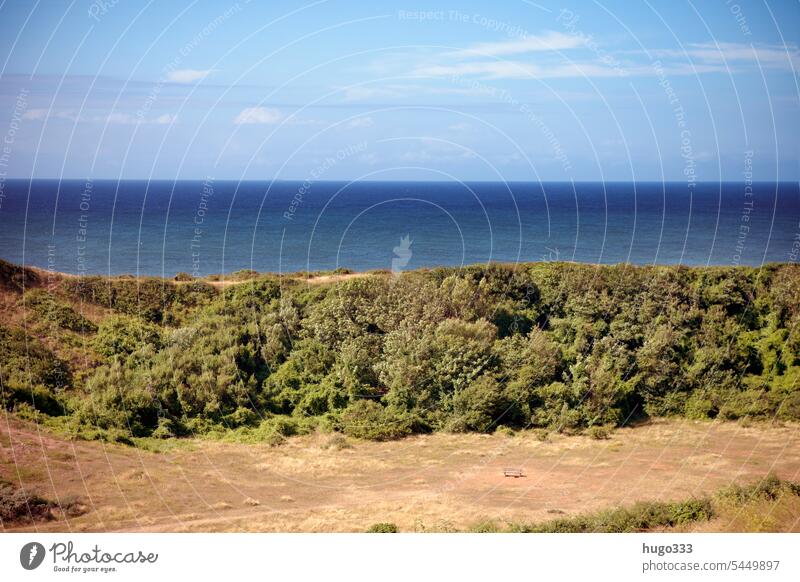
(440, 482)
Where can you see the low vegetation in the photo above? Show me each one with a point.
(18, 506)
(647, 516)
(558, 346)
(383, 527)
(640, 517)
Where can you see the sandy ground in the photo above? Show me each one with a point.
(425, 482)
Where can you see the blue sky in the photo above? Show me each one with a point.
(512, 90)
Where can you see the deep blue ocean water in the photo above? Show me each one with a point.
(161, 228)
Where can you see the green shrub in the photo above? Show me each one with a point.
(117, 401)
(383, 527)
(599, 432)
(337, 442)
(505, 431)
(272, 431)
(121, 335)
(366, 419)
(485, 527)
(541, 434)
(30, 374)
(145, 298)
(699, 407)
(640, 517)
(19, 506)
(51, 310)
(165, 429)
(769, 488)
(240, 417)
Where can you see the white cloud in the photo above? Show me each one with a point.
(476, 60)
(120, 119)
(539, 58)
(362, 93)
(128, 119)
(35, 114)
(114, 118)
(187, 75)
(362, 122)
(511, 159)
(549, 41)
(772, 56)
(431, 149)
(369, 158)
(516, 70)
(461, 126)
(416, 157)
(305, 121)
(42, 114)
(257, 115)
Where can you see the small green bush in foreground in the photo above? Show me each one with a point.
(641, 516)
(653, 515)
(383, 527)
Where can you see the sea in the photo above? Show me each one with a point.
(209, 226)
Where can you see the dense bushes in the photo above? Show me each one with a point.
(121, 335)
(30, 373)
(153, 300)
(554, 345)
(53, 311)
(367, 419)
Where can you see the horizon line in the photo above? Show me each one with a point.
(354, 181)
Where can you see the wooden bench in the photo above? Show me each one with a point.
(516, 473)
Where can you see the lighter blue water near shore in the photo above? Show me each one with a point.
(161, 228)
